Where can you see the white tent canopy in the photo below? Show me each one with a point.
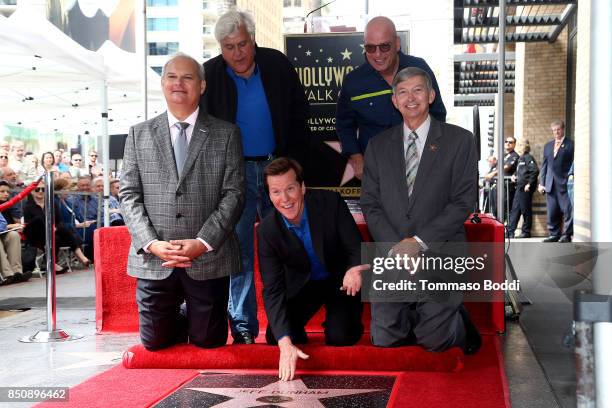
(51, 83)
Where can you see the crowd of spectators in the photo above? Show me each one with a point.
(79, 185)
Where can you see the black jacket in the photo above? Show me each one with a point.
(285, 94)
(284, 263)
(527, 172)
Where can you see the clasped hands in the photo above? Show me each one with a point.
(177, 253)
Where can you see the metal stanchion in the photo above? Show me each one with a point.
(52, 334)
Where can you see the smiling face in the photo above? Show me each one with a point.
(412, 99)
(380, 35)
(48, 160)
(287, 195)
(238, 51)
(182, 87)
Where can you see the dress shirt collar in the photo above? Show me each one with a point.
(174, 131)
(422, 131)
(303, 221)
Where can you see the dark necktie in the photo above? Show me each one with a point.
(180, 146)
(412, 161)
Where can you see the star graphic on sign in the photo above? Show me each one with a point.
(349, 172)
(320, 49)
(299, 45)
(289, 394)
(295, 58)
(317, 61)
(308, 52)
(94, 359)
(330, 60)
(346, 54)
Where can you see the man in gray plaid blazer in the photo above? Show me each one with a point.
(181, 195)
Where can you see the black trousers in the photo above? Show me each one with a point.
(522, 205)
(342, 326)
(161, 322)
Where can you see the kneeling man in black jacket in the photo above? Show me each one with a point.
(309, 256)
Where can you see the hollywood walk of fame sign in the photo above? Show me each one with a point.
(309, 391)
(321, 62)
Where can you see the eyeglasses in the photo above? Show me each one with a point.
(39, 189)
(371, 48)
(509, 141)
(93, 155)
(77, 159)
(3, 157)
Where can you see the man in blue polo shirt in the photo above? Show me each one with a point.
(258, 89)
(364, 107)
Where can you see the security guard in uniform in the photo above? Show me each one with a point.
(526, 179)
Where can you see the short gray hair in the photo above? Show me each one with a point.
(181, 55)
(558, 122)
(408, 73)
(232, 21)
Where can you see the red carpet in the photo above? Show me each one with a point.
(481, 384)
(362, 356)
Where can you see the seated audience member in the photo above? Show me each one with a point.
(66, 175)
(29, 170)
(64, 165)
(76, 169)
(10, 254)
(62, 186)
(309, 257)
(16, 157)
(10, 177)
(34, 217)
(114, 188)
(4, 158)
(85, 207)
(113, 204)
(47, 163)
(57, 157)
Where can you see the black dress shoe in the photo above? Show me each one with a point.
(473, 341)
(552, 238)
(244, 337)
(565, 238)
(523, 235)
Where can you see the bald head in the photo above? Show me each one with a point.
(380, 23)
(381, 45)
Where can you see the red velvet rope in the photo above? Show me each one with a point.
(21, 195)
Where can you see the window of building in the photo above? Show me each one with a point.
(207, 29)
(162, 24)
(286, 3)
(163, 48)
(8, 2)
(205, 4)
(158, 69)
(206, 54)
(297, 3)
(161, 3)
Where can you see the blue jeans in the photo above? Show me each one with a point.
(242, 305)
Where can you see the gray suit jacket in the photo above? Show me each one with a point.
(443, 195)
(205, 201)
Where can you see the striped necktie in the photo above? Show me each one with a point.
(412, 161)
(180, 146)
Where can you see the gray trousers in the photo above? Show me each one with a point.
(436, 326)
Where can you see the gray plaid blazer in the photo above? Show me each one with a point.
(205, 201)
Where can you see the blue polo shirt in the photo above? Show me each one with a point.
(253, 115)
(365, 108)
(317, 270)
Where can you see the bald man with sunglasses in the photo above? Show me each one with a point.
(364, 107)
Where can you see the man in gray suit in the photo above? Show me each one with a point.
(181, 195)
(418, 188)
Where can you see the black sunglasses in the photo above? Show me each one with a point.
(39, 189)
(3, 157)
(371, 48)
(509, 141)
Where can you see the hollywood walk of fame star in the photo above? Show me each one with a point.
(286, 394)
(349, 172)
(346, 54)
